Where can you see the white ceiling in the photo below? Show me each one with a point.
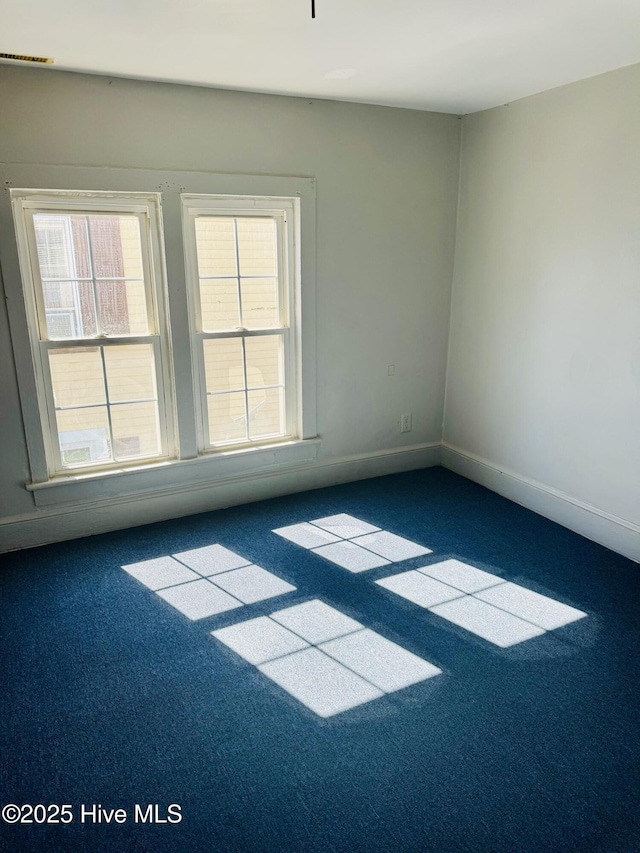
(455, 56)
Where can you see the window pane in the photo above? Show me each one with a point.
(227, 420)
(264, 361)
(69, 309)
(77, 377)
(131, 372)
(135, 430)
(62, 247)
(83, 435)
(131, 247)
(115, 246)
(223, 364)
(259, 302)
(137, 319)
(116, 254)
(266, 413)
(73, 251)
(113, 307)
(257, 246)
(88, 246)
(219, 304)
(216, 246)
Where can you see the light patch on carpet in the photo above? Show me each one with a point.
(420, 589)
(501, 612)
(161, 572)
(199, 599)
(211, 559)
(229, 581)
(461, 575)
(489, 622)
(323, 658)
(394, 548)
(344, 526)
(316, 621)
(532, 606)
(383, 663)
(251, 584)
(260, 640)
(345, 540)
(319, 682)
(306, 535)
(351, 557)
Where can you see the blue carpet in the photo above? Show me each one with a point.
(110, 696)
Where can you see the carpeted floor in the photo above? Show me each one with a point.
(112, 697)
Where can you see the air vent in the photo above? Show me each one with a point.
(45, 60)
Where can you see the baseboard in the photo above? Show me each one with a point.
(606, 529)
(71, 521)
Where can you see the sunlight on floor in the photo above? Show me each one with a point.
(501, 612)
(351, 543)
(323, 658)
(213, 581)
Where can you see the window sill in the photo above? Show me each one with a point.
(174, 475)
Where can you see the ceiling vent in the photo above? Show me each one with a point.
(44, 60)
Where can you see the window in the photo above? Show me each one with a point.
(163, 326)
(241, 276)
(96, 317)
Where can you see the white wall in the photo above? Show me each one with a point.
(543, 388)
(386, 199)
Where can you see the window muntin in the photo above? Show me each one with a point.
(241, 276)
(237, 272)
(91, 269)
(244, 386)
(93, 306)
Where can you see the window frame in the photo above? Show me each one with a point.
(145, 207)
(189, 471)
(285, 212)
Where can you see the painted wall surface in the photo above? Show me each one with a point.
(544, 365)
(386, 201)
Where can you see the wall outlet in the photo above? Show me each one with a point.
(405, 423)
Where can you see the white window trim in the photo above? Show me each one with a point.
(156, 476)
(286, 212)
(146, 208)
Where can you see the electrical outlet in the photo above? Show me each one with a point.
(405, 423)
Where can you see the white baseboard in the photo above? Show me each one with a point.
(57, 524)
(606, 529)
(70, 521)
